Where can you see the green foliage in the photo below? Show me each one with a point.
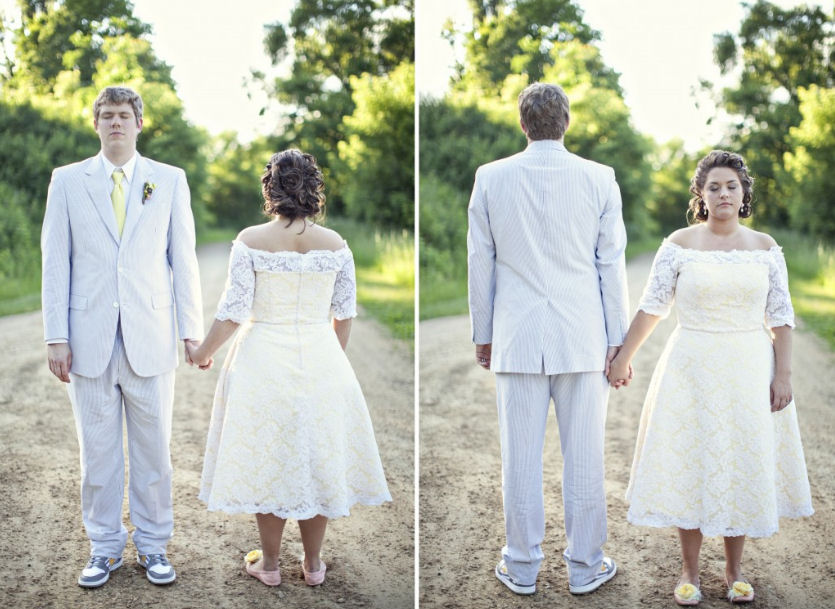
(517, 37)
(71, 35)
(234, 181)
(673, 167)
(778, 52)
(376, 162)
(443, 250)
(811, 165)
(333, 44)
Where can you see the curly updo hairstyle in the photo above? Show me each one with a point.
(293, 186)
(719, 158)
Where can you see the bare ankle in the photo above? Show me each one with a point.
(313, 564)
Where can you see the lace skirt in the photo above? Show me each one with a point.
(290, 432)
(710, 454)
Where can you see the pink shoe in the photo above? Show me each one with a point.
(315, 578)
(269, 578)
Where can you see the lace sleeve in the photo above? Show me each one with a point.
(660, 290)
(236, 302)
(344, 300)
(778, 306)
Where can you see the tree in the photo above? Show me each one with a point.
(333, 42)
(517, 37)
(777, 53)
(376, 161)
(69, 35)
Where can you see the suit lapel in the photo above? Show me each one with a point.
(100, 197)
(142, 173)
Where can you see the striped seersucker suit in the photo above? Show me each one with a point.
(547, 288)
(120, 302)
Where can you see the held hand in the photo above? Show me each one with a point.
(59, 358)
(482, 355)
(781, 392)
(196, 356)
(620, 372)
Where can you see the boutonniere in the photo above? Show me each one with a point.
(147, 191)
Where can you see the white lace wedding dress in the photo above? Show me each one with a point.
(710, 454)
(290, 432)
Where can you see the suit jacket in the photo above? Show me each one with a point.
(92, 279)
(547, 275)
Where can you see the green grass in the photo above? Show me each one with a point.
(811, 267)
(20, 295)
(440, 296)
(385, 273)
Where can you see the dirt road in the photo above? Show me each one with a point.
(42, 541)
(462, 527)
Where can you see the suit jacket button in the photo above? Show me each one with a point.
(115, 305)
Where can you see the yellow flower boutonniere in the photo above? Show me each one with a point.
(147, 191)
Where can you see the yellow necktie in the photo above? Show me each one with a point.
(118, 198)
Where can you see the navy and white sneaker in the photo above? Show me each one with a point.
(157, 568)
(507, 580)
(98, 571)
(607, 571)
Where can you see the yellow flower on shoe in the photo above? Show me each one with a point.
(742, 589)
(253, 556)
(686, 591)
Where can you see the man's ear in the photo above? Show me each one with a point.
(522, 125)
(139, 124)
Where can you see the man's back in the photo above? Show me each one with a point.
(552, 220)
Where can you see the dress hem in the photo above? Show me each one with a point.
(712, 530)
(295, 514)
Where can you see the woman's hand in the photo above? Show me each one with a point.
(781, 392)
(620, 372)
(198, 355)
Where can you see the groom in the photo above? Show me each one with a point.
(120, 280)
(548, 306)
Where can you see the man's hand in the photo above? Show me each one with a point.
(194, 357)
(622, 377)
(59, 357)
(482, 355)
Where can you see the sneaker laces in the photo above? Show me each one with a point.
(99, 562)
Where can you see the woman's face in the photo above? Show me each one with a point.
(722, 193)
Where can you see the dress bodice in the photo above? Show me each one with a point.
(719, 291)
(288, 287)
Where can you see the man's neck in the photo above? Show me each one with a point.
(118, 157)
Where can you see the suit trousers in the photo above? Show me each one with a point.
(147, 403)
(580, 401)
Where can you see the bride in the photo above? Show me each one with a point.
(290, 435)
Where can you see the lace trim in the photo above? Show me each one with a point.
(298, 513)
(711, 530)
(236, 302)
(659, 293)
(296, 262)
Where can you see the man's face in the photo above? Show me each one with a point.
(117, 127)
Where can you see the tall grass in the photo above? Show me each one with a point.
(811, 265)
(385, 262)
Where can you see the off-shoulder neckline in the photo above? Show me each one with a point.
(773, 248)
(293, 252)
